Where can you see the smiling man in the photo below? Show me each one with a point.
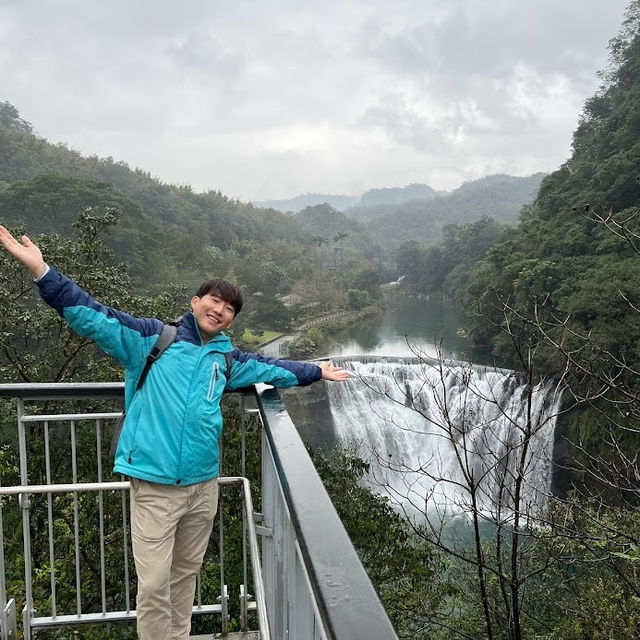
(169, 441)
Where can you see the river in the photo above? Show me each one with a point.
(408, 324)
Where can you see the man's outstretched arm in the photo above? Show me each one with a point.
(24, 251)
(127, 338)
(250, 368)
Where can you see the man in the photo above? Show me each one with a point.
(169, 441)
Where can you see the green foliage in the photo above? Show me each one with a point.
(443, 268)
(357, 299)
(407, 573)
(10, 118)
(593, 590)
(269, 311)
(424, 219)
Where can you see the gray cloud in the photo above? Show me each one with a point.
(272, 99)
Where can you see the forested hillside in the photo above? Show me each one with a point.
(499, 197)
(23, 154)
(166, 232)
(165, 235)
(298, 203)
(395, 195)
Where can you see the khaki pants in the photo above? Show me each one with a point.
(170, 529)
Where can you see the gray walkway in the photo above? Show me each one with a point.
(278, 348)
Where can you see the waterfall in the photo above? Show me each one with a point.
(432, 428)
(395, 283)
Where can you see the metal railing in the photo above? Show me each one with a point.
(315, 583)
(307, 579)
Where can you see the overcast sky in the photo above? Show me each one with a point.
(274, 98)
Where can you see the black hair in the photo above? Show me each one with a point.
(226, 290)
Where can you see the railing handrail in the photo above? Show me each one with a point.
(347, 601)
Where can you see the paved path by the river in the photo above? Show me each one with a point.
(279, 347)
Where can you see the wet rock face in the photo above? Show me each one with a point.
(309, 409)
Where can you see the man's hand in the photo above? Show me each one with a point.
(329, 372)
(25, 252)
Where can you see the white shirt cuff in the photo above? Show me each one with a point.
(43, 274)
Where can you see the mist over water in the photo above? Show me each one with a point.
(427, 428)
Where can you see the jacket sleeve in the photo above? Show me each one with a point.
(250, 368)
(126, 338)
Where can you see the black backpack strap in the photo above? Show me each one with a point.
(228, 358)
(166, 338)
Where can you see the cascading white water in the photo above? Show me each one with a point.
(431, 429)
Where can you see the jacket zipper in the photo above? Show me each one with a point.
(212, 380)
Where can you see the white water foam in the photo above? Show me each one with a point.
(433, 429)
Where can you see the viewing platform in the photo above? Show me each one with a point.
(283, 570)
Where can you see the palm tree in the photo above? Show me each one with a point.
(339, 237)
(318, 241)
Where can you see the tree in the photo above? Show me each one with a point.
(10, 118)
(270, 313)
(339, 237)
(493, 429)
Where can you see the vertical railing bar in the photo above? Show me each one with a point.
(103, 588)
(52, 567)
(125, 548)
(243, 428)
(76, 525)
(26, 533)
(221, 540)
(3, 580)
(267, 521)
(221, 551)
(256, 569)
(244, 592)
(199, 588)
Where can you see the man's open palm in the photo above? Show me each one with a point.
(24, 251)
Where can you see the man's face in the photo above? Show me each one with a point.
(213, 314)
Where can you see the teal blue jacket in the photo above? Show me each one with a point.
(173, 423)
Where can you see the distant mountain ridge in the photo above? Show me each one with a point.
(397, 195)
(298, 203)
(372, 197)
(380, 201)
